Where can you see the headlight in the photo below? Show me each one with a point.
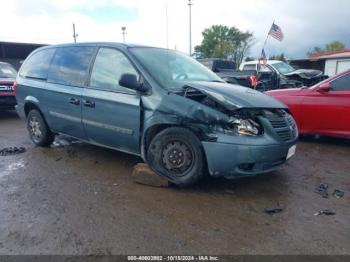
(247, 127)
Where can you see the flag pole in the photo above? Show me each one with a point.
(267, 37)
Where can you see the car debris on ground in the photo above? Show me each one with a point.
(326, 212)
(322, 190)
(7, 151)
(273, 210)
(338, 193)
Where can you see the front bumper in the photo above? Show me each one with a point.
(7, 101)
(232, 160)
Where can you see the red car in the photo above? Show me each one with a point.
(323, 109)
(7, 86)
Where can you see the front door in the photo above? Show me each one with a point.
(329, 112)
(110, 112)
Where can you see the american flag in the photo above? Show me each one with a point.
(276, 32)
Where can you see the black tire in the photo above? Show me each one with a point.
(177, 155)
(39, 132)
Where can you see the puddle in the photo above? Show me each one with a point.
(62, 141)
(10, 168)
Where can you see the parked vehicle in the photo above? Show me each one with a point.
(322, 109)
(226, 70)
(162, 105)
(260, 77)
(286, 75)
(7, 87)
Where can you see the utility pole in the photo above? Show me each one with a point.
(190, 23)
(74, 34)
(123, 33)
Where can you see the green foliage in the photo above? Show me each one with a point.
(280, 57)
(221, 41)
(335, 46)
(330, 47)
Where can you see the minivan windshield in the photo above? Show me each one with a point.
(283, 68)
(172, 69)
(7, 71)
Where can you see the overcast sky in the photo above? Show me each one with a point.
(305, 23)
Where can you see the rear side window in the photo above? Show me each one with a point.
(70, 65)
(341, 84)
(37, 65)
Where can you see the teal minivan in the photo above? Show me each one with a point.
(162, 105)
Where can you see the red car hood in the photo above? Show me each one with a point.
(286, 92)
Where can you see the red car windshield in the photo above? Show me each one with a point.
(7, 71)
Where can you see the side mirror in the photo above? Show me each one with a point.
(325, 87)
(130, 81)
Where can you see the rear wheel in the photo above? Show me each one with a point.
(176, 154)
(38, 130)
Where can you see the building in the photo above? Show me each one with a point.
(15, 53)
(331, 63)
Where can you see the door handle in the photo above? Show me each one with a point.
(88, 103)
(74, 101)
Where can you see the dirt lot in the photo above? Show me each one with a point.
(80, 199)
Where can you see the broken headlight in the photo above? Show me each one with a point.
(247, 127)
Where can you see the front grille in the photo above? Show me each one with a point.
(6, 87)
(283, 124)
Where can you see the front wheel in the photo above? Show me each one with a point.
(176, 154)
(38, 130)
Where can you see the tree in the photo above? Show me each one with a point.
(315, 50)
(221, 41)
(330, 47)
(335, 46)
(280, 57)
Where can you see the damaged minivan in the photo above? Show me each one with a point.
(162, 105)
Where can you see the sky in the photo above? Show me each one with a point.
(165, 23)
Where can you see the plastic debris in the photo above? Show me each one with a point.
(322, 190)
(326, 212)
(338, 193)
(7, 151)
(273, 210)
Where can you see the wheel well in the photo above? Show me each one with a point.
(30, 106)
(154, 130)
(151, 132)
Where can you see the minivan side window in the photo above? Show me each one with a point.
(37, 65)
(341, 84)
(70, 65)
(110, 64)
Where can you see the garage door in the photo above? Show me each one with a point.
(343, 65)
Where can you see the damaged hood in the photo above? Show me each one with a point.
(305, 73)
(235, 96)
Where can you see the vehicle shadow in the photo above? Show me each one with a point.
(8, 114)
(325, 140)
(244, 185)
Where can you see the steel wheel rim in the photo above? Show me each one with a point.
(177, 158)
